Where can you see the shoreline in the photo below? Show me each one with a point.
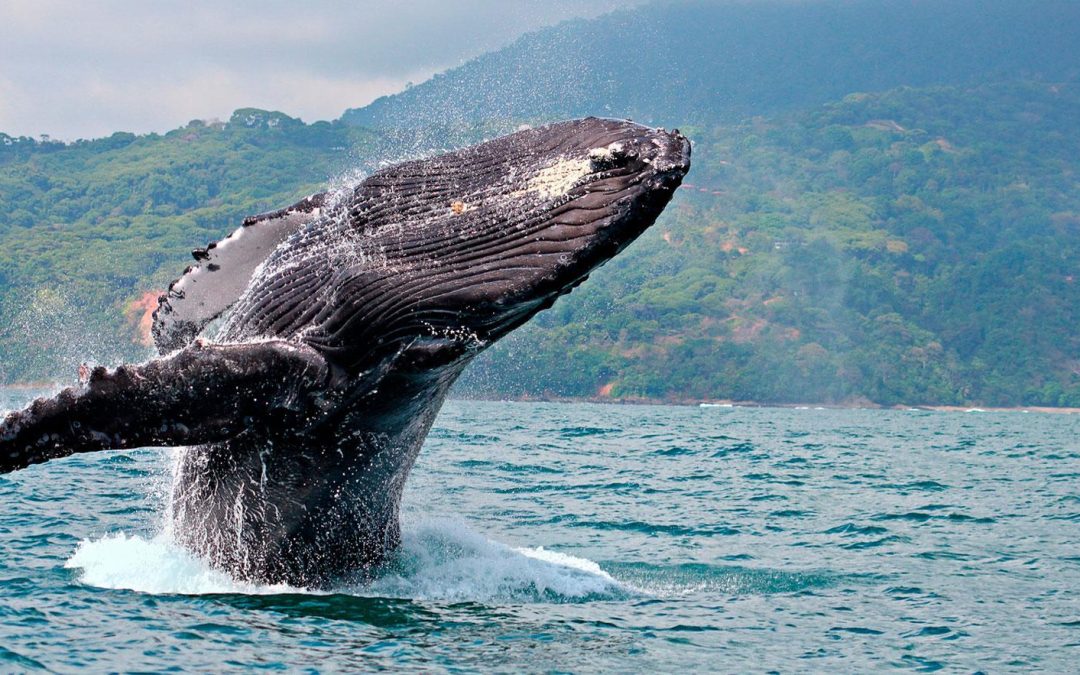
(703, 403)
(727, 403)
(33, 385)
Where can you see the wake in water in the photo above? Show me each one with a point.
(438, 560)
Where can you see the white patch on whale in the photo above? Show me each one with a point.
(555, 179)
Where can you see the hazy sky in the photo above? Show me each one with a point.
(87, 68)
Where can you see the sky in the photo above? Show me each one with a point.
(88, 68)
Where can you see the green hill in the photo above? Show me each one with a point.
(88, 228)
(884, 206)
(912, 246)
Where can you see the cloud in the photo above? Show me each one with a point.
(88, 69)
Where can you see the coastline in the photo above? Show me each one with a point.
(20, 386)
(727, 403)
(861, 404)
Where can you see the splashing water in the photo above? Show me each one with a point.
(119, 561)
(439, 560)
(445, 560)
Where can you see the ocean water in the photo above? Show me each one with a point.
(580, 537)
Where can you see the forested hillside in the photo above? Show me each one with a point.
(913, 246)
(91, 231)
(840, 238)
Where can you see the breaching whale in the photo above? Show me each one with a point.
(304, 357)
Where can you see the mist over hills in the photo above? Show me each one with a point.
(884, 205)
(677, 63)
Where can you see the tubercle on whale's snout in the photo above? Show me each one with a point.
(664, 153)
(675, 153)
(661, 159)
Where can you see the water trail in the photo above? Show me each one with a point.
(446, 560)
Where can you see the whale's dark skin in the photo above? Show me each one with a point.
(342, 321)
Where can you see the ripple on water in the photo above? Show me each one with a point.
(766, 536)
(675, 451)
(582, 432)
(691, 578)
(18, 662)
(734, 449)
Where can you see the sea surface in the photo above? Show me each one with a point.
(581, 537)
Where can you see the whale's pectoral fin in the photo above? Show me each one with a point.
(201, 394)
(222, 273)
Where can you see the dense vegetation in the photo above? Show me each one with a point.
(903, 245)
(87, 228)
(915, 246)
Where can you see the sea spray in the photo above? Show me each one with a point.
(439, 560)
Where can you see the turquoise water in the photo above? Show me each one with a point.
(576, 537)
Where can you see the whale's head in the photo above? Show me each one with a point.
(452, 252)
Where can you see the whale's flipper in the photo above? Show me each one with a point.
(201, 394)
(211, 286)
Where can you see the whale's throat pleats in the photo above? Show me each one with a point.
(223, 270)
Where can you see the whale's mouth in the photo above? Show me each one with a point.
(596, 205)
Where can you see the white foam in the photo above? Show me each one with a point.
(439, 560)
(119, 561)
(445, 560)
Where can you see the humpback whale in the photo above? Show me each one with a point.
(304, 357)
